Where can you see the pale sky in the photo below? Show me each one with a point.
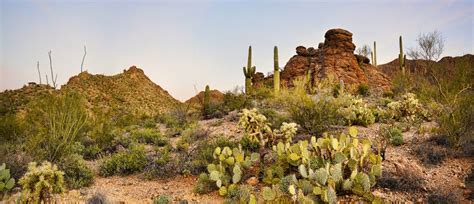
(182, 44)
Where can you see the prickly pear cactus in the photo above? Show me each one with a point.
(229, 166)
(6, 182)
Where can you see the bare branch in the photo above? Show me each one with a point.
(51, 67)
(39, 73)
(364, 50)
(83, 57)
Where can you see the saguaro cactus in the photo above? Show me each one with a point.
(401, 56)
(276, 71)
(207, 100)
(374, 60)
(249, 72)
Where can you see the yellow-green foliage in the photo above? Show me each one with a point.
(125, 162)
(56, 122)
(41, 182)
(76, 172)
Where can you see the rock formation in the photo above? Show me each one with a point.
(333, 57)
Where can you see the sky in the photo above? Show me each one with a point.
(184, 45)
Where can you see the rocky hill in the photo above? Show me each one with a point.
(12, 101)
(131, 91)
(333, 57)
(197, 100)
(420, 66)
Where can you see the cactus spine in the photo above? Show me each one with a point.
(374, 58)
(401, 56)
(249, 72)
(207, 100)
(276, 71)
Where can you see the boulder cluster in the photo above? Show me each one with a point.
(333, 57)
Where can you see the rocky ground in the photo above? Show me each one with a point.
(409, 173)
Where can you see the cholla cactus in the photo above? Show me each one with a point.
(357, 112)
(288, 131)
(407, 108)
(256, 127)
(41, 182)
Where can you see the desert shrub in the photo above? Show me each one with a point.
(204, 184)
(363, 90)
(404, 180)
(431, 154)
(356, 111)
(41, 182)
(11, 129)
(190, 135)
(56, 123)
(238, 194)
(162, 199)
(314, 113)
(98, 198)
(14, 156)
(274, 118)
(149, 136)
(91, 151)
(456, 122)
(202, 154)
(6, 181)
(177, 120)
(234, 101)
(125, 162)
(445, 196)
(76, 173)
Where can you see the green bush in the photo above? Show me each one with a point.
(125, 162)
(76, 173)
(363, 90)
(149, 136)
(456, 121)
(204, 184)
(41, 182)
(56, 122)
(234, 101)
(162, 199)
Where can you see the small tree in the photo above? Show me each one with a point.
(364, 50)
(430, 46)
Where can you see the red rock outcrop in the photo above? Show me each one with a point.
(334, 57)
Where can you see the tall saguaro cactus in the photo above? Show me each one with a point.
(207, 101)
(374, 60)
(276, 71)
(401, 56)
(249, 72)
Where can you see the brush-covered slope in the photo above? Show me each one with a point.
(12, 101)
(197, 101)
(131, 91)
(448, 63)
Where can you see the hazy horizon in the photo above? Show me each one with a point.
(185, 44)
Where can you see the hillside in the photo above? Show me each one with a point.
(197, 100)
(418, 66)
(130, 91)
(12, 101)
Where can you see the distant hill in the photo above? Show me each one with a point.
(197, 100)
(12, 101)
(418, 66)
(131, 91)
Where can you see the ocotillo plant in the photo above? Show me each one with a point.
(39, 73)
(401, 56)
(207, 101)
(249, 72)
(374, 60)
(276, 71)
